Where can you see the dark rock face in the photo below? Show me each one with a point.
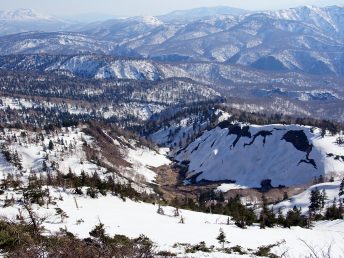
(308, 161)
(239, 132)
(235, 129)
(225, 124)
(301, 143)
(263, 134)
(299, 140)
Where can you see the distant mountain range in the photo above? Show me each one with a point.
(305, 39)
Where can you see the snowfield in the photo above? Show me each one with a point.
(134, 218)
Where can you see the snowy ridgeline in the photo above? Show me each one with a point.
(35, 153)
(248, 154)
(142, 111)
(100, 67)
(82, 213)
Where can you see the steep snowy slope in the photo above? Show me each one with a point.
(247, 154)
(69, 150)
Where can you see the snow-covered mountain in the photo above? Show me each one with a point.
(305, 39)
(24, 20)
(248, 154)
(108, 67)
(306, 42)
(328, 19)
(63, 43)
(198, 13)
(23, 15)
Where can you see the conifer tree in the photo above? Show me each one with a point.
(315, 200)
(267, 217)
(323, 198)
(341, 188)
(221, 238)
(51, 145)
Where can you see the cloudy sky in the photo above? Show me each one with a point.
(148, 7)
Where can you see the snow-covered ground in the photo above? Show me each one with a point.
(134, 218)
(143, 159)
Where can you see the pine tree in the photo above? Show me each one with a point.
(333, 212)
(221, 238)
(44, 166)
(267, 217)
(280, 217)
(98, 231)
(323, 198)
(321, 179)
(294, 218)
(315, 200)
(51, 145)
(341, 188)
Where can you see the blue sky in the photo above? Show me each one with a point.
(148, 7)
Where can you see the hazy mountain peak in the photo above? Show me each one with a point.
(23, 15)
(147, 20)
(151, 20)
(198, 13)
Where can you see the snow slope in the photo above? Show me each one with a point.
(291, 155)
(68, 154)
(134, 218)
(302, 200)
